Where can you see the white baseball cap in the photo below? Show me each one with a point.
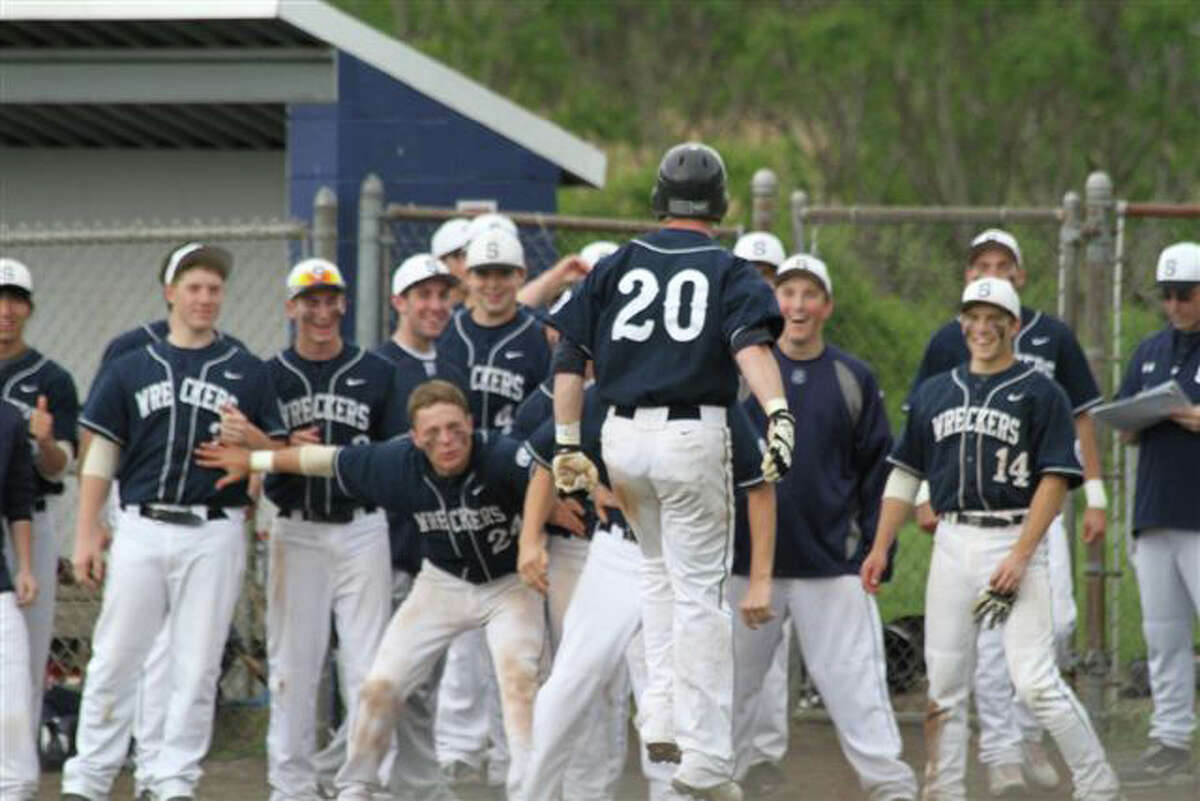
(804, 264)
(417, 268)
(593, 252)
(450, 236)
(314, 274)
(489, 221)
(495, 247)
(994, 237)
(1179, 263)
(14, 273)
(219, 259)
(993, 291)
(760, 246)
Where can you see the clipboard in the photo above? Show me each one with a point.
(1144, 409)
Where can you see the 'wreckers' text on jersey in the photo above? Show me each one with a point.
(1044, 341)
(984, 441)
(468, 524)
(349, 399)
(160, 401)
(30, 375)
(502, 363)
(659, 315)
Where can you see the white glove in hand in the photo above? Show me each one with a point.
(781, 440)
(573, 471)
(992, 607)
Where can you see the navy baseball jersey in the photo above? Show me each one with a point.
(983, 441)
(145, 334)
(828, 503)
(16, 462)
(1166, 494)
(469, 523)
(26, 377)
(537, 407)
(412, 368)
(159, 402)
(503, 363)
(659, 316)
(1044, 341)
(350, 399)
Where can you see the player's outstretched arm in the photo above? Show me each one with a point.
(547, 286)
(238, 463)
(760, 510)
(1047, 501)
(761, 372)
(532, 559)
(898, 496)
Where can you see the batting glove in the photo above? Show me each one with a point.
(573, 471)
(992, 607)
(781, 440)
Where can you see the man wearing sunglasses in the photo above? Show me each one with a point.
(1166, 522)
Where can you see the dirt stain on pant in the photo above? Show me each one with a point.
(518, 685)
(377, 711)
(935, 723)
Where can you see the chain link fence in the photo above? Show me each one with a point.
(92, 283)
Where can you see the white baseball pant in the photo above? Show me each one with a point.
(39, 616)
(18, 753)
(150, 708)
(317, 569)
(574, 707)
(1005, 722)
(468, 726)
(413, 772)
(840, 636)
(658, 774)
(760, 722)
(440, 608)
(1167, 562)
(673, 479)
(187, 579)
(964, 558)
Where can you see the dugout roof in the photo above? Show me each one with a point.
(220, 74)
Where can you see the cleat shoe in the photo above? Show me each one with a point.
(1159, 765)
(1006, 781)
(763, 780)
(725, 791)
(1037, 767)
(664, 752)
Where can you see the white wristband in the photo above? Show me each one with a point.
(567, 434)
(262, 461)
(775, 405)
(1097, 498)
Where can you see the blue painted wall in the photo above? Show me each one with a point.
(426, 154)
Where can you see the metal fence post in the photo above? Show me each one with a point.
(799, 206)
(324, 236)
(764, 189)
(1070, 240)
(1097, 271)
(370, 220)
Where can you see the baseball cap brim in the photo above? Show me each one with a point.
(449, 279)
(991, 244)
(211, 256)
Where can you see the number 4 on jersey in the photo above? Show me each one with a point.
(645, 285)
(1018, 470)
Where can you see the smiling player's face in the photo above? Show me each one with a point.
(195, 298)
(318, 316)
(443, 432)
(989, 332)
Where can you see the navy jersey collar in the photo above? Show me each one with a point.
(347, 353)
(677, 237)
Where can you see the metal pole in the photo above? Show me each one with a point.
(1097, 269)
(1117, 508)
(325, 238)
(764, 190)
(1069, 244)
(799, 207)
(366, 296)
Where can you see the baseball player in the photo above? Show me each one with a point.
(763, 250)
(828, 507)
(1166, 521)
(329, 553)
(154, 686)
(150, 410)
(449, 246)
(994, 439)
(464, 491)
(669, 319)
(1010, 742)
(45, 394)
(18, 752)
(604, 613)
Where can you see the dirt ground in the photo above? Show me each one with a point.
(815, 767)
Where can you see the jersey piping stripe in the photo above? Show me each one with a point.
(462, 500)
(99, 429)
(1025, 329)
(962, 443)
(150, 332)
(187, 462)
(537, 457)
(282, 359)
(730, 509)
(979, 435)
(162, 477)
(656, 249)
(442, 503)
(333, 379)
(892, 460)
(21, 375)
(485, 422)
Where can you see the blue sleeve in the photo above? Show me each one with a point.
(872, 441)
(540, 443)
(1131, 384)
(18, 482)
(374, 473)
(1072, 372)
(747, 448)
(395, 413)
(267, 415)
(910, 452)
(576, 320)
(530, 414)
(508, 468)
(1052, 439)
(106, 412)
(64, 405)
(748, 302)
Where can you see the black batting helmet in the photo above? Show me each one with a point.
(691, 183)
